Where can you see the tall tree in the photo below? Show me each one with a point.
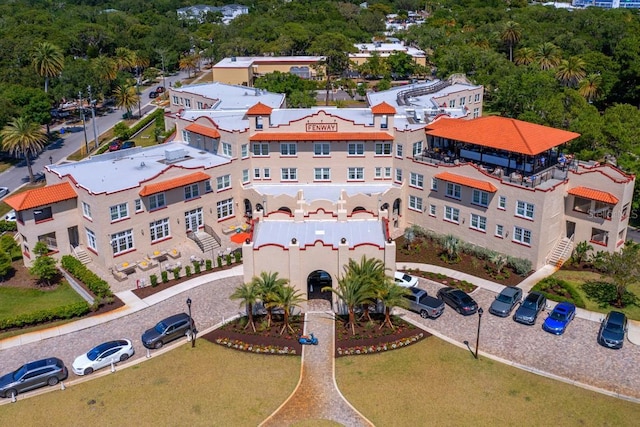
(22, 137)
(525, 56)
(48, 61)
(571, 71)
(548, 56)
(268, 284)
(335, 48)
(591, 87)
(352, 294)
(391, 295)
(371, 274)
(126, 97)
(622, 267)
(286, 298)
(248, 294)
(511, 34)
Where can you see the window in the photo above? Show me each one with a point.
(321, 149)
(416, 180)
(480, 198)
(261, 149)
(383, 148)
(159, 229)
(245, 175)
(259, 122)
(355, 174)
(417, 148)
(223, 182)
(432, 210)
(478, 222)
(502, 202)
(175, 100)
(191, 191)
(91, 239)
(452, 214)
(599, 237)
(224, 208)
(86, 210)
(156, 201)
(462, 101)
(322, 174)
(378, 172)
(453, 190)
(476, 113)
(602, 210)
(256, 173)
(499, 231)
(522, 235)
(399, 150)
(356, 149)
(120, 211)
(122, 242)
(244, 150)
(137, 203)
(288, 149)
(186, 136)
(199, 104)
(415, 203)
(452, 103)
(476, 98)
(266, 173)
(524, 209)
(226, 149)
(207, 186)
(384, 123)
(288, 174)
(434, 184)
(625, 211)
(398, 175)
(187, 102)
(387, 172)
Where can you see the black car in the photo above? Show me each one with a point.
(528, 311)
(153, 94)
(33, 375)
(612, 330)
(169, 329)
(458, 300)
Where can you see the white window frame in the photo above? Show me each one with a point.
(378, 172)
(157, 201)
(244, 150)
(499, 230)
(122, 241)
(417, 148)
(119, 212)
(288, 149)
(355, 149)
(525, 209)
(207, 186)
(191, 191)
(86, 210)
(159, 230)
(454, 190)
(476, 112)
(227, 150)
(522, 235)
(434, 184)
(416, 180)
(266, 173)
(260, 149)
(355, 173)
(398, 177)
(415, 203)
(322, 174)
(92, 241)
(478, 222)
(387, 172)
(245, 176)
(480, 198)
(288, 174)
(502, 202)
(383, 149)
(321, 149)
(224, 208)
(223, 182)
(452, 214)
(137, 203)
(399, 151)
(256, 173)
(433, 210)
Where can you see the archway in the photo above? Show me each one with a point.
(316, 281)
(396, 212)
(247, 208)
(358, 209)
(284, 209)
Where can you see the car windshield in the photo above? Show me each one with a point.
(529, 304)
(160, 327)
(94, 352)
(614, 327)
(504, 298)
(20, 372)
(555, 315)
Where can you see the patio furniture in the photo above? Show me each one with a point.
(158, 256)
(119, 275)
(170, 266)
(126, 268)
(174, 253)
(146, 264)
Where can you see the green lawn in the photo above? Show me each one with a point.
(15, 301)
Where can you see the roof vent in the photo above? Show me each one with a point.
(142, 164)
(175, 154)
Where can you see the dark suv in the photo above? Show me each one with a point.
(33, 375)
(612, 330)
(528, 311)
(167, 330)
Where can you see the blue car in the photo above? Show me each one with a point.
(559, 318)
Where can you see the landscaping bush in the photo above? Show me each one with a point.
(559, 290)
(606, 294)
(8, 226)
(187, 270)
(41, 316)
(520, 266)
(165, 277)
(228, 259)
(176, 273)
(196, 268)
(208, 264)
(154, 280)
(238, 256)
(219, 262)
(99, 287)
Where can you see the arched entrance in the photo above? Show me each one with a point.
(315, 282)
(247, 208)
(396, 212)
(284, 209)
(358, 209)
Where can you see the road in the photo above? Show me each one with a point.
(17, 176)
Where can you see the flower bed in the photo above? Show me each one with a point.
(380, 347)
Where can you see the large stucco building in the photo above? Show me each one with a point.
(318, 186)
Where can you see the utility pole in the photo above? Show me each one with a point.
(93, 117)
(84, 128)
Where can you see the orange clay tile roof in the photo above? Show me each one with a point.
(322, 136)
(504, 134)
(41, 196)
(597, 195)
(259, 110)
(467, 182)
(170, 184)
(383, 108)
(203, 130)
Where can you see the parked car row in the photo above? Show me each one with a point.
(50, 371)
(612, 329)
(116, 145)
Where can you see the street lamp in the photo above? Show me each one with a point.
(480, 311)
(84, 128)
(193, 326)
(93, 116)
(50, 160)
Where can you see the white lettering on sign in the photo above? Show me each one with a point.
(322, 127)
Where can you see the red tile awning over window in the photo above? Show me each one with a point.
(322, 136)
(467, 182)
(170, 184)
(592, 194)
(41, 196)
(203, 130)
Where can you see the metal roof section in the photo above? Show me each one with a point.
(227, 120)
(321, 191)
(248, 61)
(231, 97)
(359, 116)
(125, 169)
(329, 232)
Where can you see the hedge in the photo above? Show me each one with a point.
(547, 283)
(76, 309)
(99, 287)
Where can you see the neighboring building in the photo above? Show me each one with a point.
(244, 70)
(322, 185)
(365, 50)
(608, 4)
(198, 12)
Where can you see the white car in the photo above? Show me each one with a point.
(10, 216)
(403, 279)
(103, 355)
(4, 191)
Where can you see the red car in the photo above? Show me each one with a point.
(114, 145)
(160, 89)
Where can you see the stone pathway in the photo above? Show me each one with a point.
(317, 396)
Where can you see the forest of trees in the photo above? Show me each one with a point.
(577, 70)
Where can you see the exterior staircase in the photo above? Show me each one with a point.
(82, 255)
(561, 252)
(205, 241)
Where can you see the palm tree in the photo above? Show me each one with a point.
(499, 260)
(591, 87)
(391, 295)
(48, 61)
(189, 63)
(525, 56)
(352, 293)
(125, 58)
(106, 68)
(371, 273)
(268, 285)
(286, 297)
(248, 295)
(548, 56)
(571, 71)
(451, 246)
(511, 34)
(126, 97)
(22, 137)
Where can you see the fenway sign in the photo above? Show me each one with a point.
(322, 127)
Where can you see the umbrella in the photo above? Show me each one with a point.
(240, 237)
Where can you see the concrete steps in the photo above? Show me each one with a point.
(561, 252)
(82, 255)
(205, 241)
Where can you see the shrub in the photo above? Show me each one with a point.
(520, 266)
(559, 290)
(228, 259)
(99, 287)
(196, 268)
(36, 317)
(176, 273)
(219, 262)
(208, 264)
(165, 276)
(187, 270)
(606, 294)
(238, 256)
(8, 226)
(154, 280)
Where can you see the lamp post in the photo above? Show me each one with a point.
(193, 327)
(84, 128)
(50, 160)
(93, 117)
(480, 311)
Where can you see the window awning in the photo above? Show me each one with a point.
(592, 194)
(170, 184)
(203, 130)
(467, 182)
(322, 136)
(41, 196)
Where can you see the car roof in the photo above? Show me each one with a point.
(44, 362)
(175, 318)
(417, 291)
(616, 317)
(564, 306)
(510, 290)
(534, 295)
